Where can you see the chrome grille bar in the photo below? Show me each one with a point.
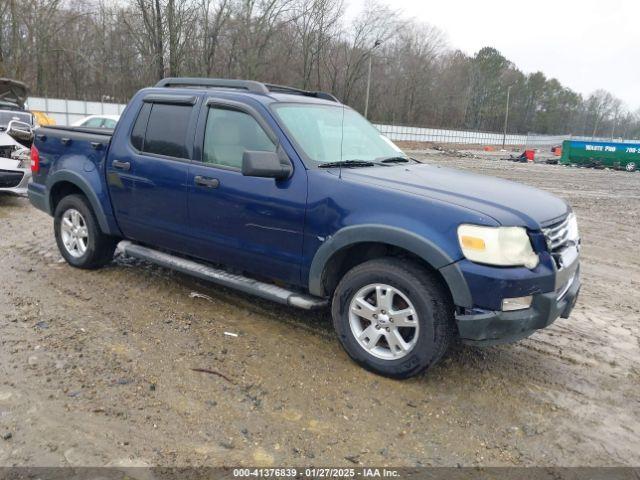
(556, 235)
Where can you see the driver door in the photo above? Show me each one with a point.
(250, 223)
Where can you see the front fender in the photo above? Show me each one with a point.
(398, 237)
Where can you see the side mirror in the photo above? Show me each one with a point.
(21, 132)
(265, 164)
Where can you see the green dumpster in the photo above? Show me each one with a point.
(601, 154)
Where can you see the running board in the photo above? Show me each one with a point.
(237, 282)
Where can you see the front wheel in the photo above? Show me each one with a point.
(631, 167)
(393, 317)
(78, 235)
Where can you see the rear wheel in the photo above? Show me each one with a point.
(393, 317)
(630, 167)
(78, 235)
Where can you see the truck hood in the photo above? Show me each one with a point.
(13, 91)
(509, 203)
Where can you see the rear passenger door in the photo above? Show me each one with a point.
(253, 224)
(148, 174)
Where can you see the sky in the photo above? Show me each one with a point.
(585, 44)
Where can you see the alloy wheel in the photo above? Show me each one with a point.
(74, 233)
(384, 321)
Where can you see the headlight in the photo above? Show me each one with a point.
(501, 246)
(23, 155)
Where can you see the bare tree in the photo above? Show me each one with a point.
(315, 24)
(150, 39)
(214, 17)
(101, 49)
(376, 23)
(599, 105)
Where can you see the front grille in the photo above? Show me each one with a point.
(5, 152)
(10, 178)
(559, 237)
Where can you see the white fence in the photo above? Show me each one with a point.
(465, 137)
(65, 112)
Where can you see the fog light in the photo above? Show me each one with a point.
(518, 303)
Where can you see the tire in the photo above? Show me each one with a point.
(426, 338)
(630, 167)
(91, 249)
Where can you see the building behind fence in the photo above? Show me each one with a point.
(66, 112)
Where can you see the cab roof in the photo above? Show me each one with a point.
(263, 92)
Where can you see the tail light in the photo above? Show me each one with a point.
(35, 159)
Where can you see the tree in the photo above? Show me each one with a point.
(96, 49)
(599, 108)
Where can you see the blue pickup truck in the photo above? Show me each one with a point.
(294, 197)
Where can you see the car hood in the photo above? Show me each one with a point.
(13, 91)
(509, 203)
(6, 140)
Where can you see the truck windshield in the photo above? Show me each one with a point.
(7, 115)
(328, 133)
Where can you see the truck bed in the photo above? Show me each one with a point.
(73, 156)
(79, 133)
(58, 146)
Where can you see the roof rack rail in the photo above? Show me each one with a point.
(249, 85)
(298, 91)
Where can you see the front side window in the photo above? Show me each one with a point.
(328, 133)
(166, 132)
(228, 134)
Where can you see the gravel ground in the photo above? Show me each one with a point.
(97, 368)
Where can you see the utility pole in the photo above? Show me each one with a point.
(376, 44)
(506, 118)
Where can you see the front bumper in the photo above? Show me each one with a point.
(483, 327)
(12, 178)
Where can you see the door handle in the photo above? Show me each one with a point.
(206, 181)
(126, 166)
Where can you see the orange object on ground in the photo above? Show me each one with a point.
(558, 151)
(529, 154)
(488, 148)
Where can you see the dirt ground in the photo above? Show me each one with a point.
(96, 368)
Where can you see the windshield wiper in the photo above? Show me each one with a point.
(347, 164)
(396, 159)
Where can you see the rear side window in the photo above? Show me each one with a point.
(162, 129)
(137, 134)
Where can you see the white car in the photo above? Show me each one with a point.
(98, 121)
(15, 162)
